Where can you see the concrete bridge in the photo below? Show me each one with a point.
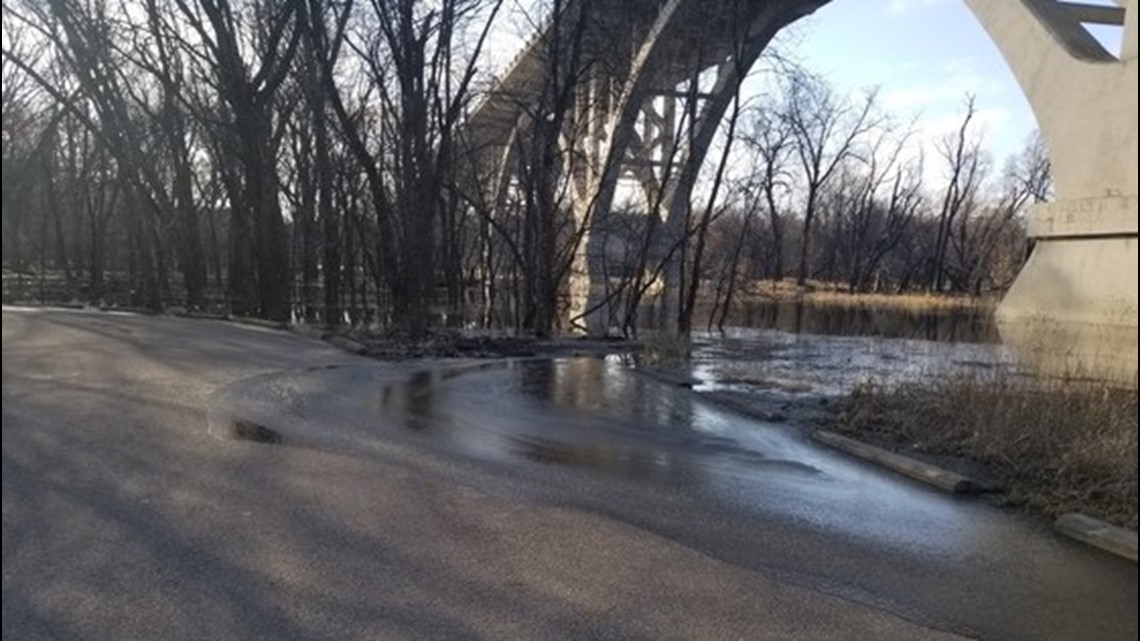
(651, 64)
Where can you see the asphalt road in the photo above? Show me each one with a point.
(473, 506)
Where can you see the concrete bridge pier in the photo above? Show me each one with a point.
(1073, 308)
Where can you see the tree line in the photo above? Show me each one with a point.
(309, 160)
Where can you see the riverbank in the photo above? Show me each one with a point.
(1056, 446)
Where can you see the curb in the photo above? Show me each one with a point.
(929, 474)
(347, 344)
(258, 322)
(1097, 533)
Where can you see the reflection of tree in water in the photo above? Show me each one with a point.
(585, 413)
(420, 400)
(599, 386)
(638, 463)
(965, 325)
(415, 399)
(606, 396)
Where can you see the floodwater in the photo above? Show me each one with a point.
(589, 413)
(593, 416)
(748, 359)
(943, 325)
(596, 435)
(596, 416)
(803, 350)
(965, 324)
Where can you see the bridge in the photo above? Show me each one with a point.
(657, 76)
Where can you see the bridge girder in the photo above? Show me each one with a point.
(670, 43)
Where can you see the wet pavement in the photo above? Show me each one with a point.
(514, 499)
(591, 433)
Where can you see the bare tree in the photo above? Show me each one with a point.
(187, 153)
(826, 130)
(247, 55)
(965, 169)
(886, 198)
(770, 138)
(987, 243)
(422, 85)
(82, 40)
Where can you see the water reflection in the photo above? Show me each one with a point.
(419, 399)
(594, 416)
(800, 365)
(950, 325)
(581, 412)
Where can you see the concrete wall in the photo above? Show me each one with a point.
(1073, 308)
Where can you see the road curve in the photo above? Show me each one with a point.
(127, 513)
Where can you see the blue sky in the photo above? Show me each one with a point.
(925, 55)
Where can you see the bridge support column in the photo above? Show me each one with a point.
(1073, 307)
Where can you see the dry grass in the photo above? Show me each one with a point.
(1058, 445)
(823, 293)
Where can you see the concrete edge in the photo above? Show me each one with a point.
(239, 320)
(931, 475)
(1097, 533)
(347, 344)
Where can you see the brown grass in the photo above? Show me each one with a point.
(824, 293)
(1059, 446)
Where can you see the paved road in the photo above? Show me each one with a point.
(438, 509)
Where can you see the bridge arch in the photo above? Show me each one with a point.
(1084, 97)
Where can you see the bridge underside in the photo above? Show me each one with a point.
(653, 84)
(656, 77)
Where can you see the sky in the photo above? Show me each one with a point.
(925, 56)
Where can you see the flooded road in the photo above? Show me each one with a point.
(944, 324)
(765, 360)
(596, 416)
(592, 434)
(807, 350)
(462, 499)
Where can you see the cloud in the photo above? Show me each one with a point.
(947, 87)
(937, 97)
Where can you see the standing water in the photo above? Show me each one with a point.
(800, 349)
